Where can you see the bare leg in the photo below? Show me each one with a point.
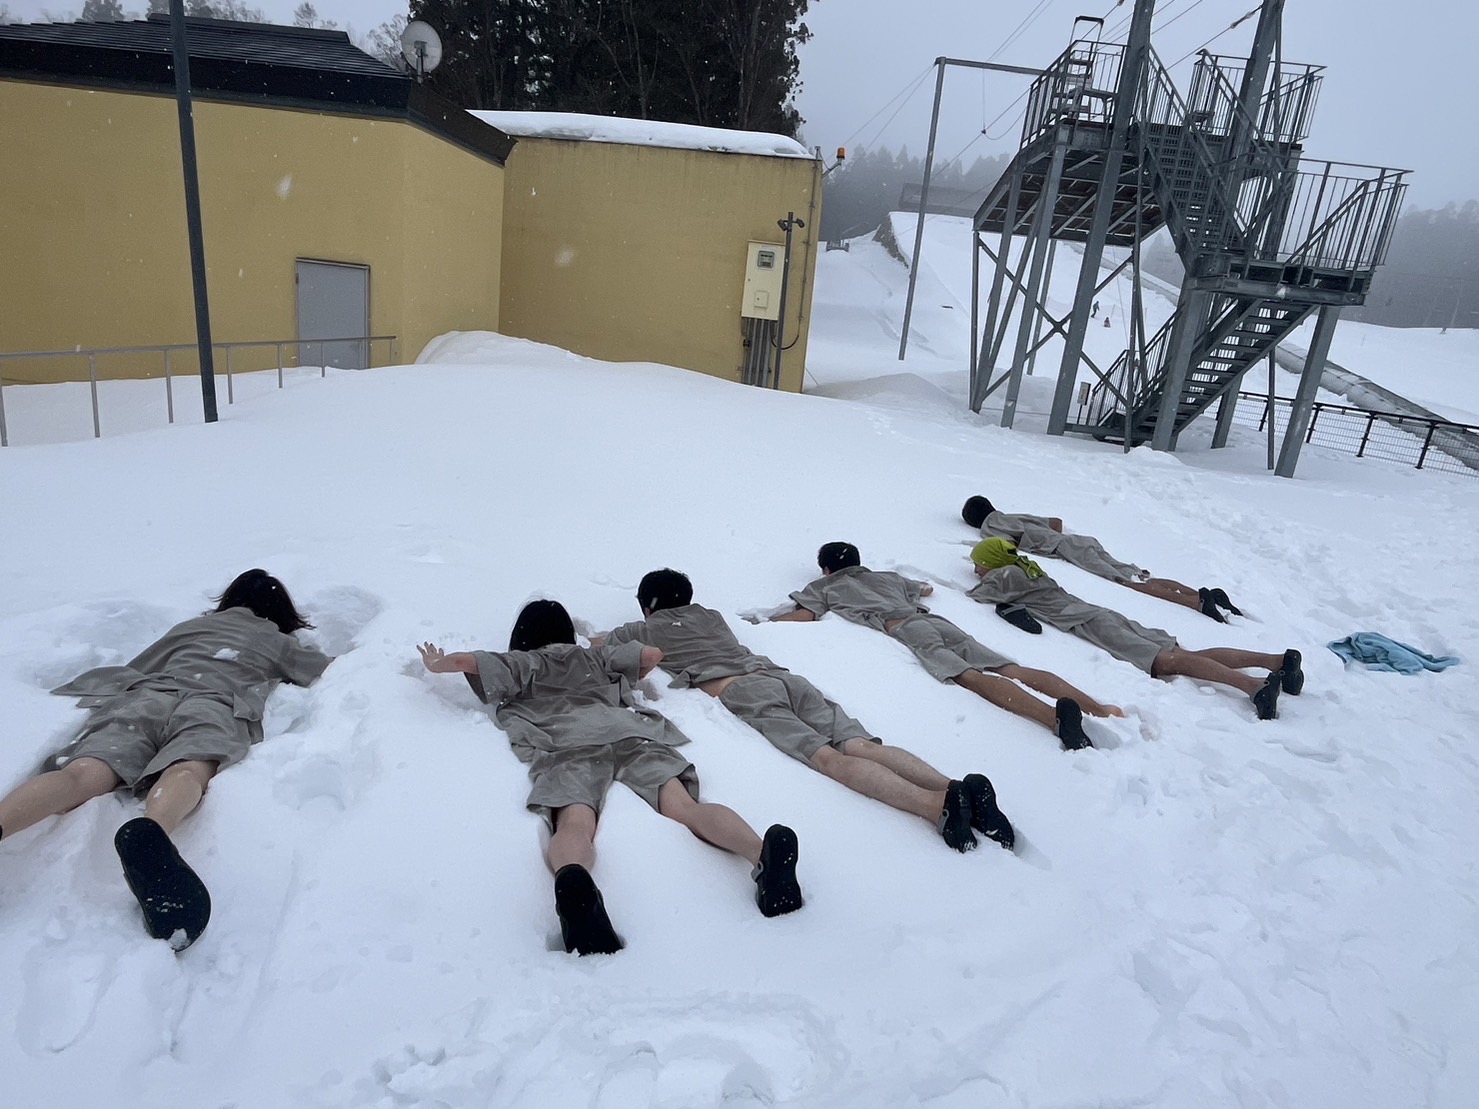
(1201, 664)
(1004, 694)
(177, 792)
(905, 764)
(715, 824)
(56, 791)
(875, 780)
(1050, 685)
(574, 840)
(1168, 590)
(1243, 660)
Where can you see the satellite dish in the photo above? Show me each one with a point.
(421, 46)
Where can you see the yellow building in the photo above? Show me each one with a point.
(634, 240)
(340, 198)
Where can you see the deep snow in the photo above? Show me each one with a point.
(1205, 911)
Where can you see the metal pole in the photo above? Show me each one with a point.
(169, 387)
(279, 365)
(1272, 411)
(4, 438)
(192, 207)
(1309, 384)
(924, 192)
(791, 221)
(92, 377)
(230, 389)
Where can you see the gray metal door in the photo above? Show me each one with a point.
(334, 303)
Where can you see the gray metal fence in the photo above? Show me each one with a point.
(168, 353)
(1426, 444)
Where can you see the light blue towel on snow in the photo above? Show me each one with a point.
(1377, 652)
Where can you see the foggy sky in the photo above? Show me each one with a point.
(1395, 91)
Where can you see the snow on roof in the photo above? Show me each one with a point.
(642, 132)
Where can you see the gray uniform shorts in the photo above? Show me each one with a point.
(582, 775)
(1125, 639)
(791, 712)
(943, 649)
(141, 733)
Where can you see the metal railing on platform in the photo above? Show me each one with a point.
(361, 349)
(1426, 444)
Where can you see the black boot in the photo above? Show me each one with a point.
(1209, 606)
(954, 821)
(1071, 725)
(176, 904)
(777, 891)
(584, 925)
(986, 817)
(1266, 698)
(1293, 671)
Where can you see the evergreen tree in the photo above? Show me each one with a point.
(724, 63)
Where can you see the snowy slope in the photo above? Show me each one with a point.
(1206, 911)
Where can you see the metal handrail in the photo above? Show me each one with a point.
(169, 350)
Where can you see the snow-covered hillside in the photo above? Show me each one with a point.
(1205, 911)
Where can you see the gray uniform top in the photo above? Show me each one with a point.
(1034, 535)
(1043, 597)
(696, 643)
(235, 656)
(869, 597)
(563, 697)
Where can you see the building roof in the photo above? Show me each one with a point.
(642, 132)
(261, 63)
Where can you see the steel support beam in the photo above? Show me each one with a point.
(1309, 384)
(1046, 204)
(1131, 77)
(1191, 315)
(986, 355)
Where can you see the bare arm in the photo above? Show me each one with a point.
(439, 662)
(651, 656)
(797, 615)
(925, 589)
(1056, 524)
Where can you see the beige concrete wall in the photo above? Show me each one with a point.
(637, 253)
(93, 247)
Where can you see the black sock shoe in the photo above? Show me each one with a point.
(1266, 698)
(1071, 725)
(176, 904)
(777, 891)
(1209, 606)
(954, 822)
(584, 926)
(1019, 617)
(986, 817)
(1293, 671)
(1220, 598)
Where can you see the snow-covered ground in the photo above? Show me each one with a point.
(1205, 911)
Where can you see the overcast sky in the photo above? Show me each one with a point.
(1396, 91)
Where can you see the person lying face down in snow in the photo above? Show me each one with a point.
(189, 705)
(570, 715)
(889, 602)
(1044, 535)
(1009, 577)
(699, 648)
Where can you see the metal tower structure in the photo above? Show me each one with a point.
(1111, 152)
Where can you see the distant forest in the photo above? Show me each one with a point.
(1431, 276)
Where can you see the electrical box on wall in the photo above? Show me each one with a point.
(763, 265)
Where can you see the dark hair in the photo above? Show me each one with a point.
(838, 556)
(662, 589)
(976, 510)
(264, 595)
(541, 623)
